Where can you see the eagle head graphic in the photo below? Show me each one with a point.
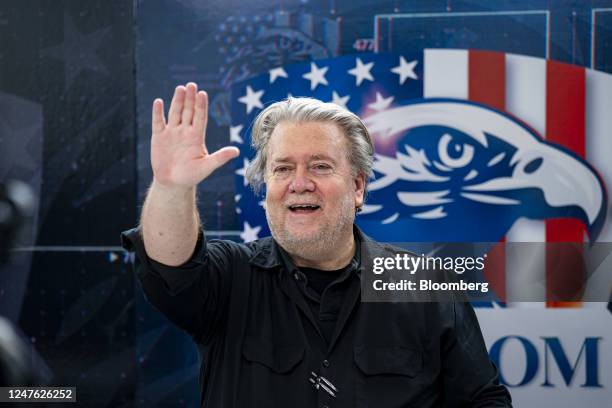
(452, 170)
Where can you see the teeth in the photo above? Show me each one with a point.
(304, 206)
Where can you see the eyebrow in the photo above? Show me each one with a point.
(313, 157)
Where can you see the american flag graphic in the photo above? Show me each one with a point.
(470, 146)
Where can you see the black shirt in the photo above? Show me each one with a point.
(315, 282)
(318, 280)
(264, 345)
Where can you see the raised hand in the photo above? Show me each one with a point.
(178, 146)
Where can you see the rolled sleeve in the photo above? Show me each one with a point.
(194, 295)
(176, 278)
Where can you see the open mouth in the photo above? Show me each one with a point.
(303, 208)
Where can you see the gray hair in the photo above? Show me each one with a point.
(296, 110)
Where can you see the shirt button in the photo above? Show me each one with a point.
(296, 276)
(325, 363)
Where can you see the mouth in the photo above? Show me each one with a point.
(304, 208)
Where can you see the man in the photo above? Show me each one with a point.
(279, 321)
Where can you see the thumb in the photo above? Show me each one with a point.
(223, 155)
(217, 159)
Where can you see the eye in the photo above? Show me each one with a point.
(281, 169)
(321, 168)
(454, 154)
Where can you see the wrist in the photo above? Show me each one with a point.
(172, 190)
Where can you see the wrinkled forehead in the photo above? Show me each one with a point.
(307, 139)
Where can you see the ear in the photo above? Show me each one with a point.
(359, 190)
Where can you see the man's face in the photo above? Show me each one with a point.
(311, 192)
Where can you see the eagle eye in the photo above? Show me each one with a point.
(533, 165)
(454, 155)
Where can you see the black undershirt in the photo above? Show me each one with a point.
(318, 280)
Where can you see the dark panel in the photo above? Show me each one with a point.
(73, 61)
(602, 42)
(78, 316)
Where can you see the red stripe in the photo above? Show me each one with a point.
(487, 85)
(565, 106)
(487, 78)
(565, 125)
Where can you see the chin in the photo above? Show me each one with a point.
(300, 242)
(303, 237)
(309, 248)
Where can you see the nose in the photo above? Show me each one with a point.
(301, 182)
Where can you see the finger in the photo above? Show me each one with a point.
(158, 122)
(213, 161)
(201, 112)
(187, 115)
(176, 107)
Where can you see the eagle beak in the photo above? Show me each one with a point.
(568, 185)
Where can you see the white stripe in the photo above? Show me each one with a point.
(598, 130)
(446, 74)
(525, 264)
(526, 90)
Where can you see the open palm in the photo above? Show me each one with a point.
(178, 146)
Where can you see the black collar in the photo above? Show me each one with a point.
(269, 255)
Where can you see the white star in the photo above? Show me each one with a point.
(362, 71)
(251, 99)
(249, 233)
(381, 103)
(277, 72)
(242, 171)
(340, 100)
(236, 199)
(235, 134)
(316, 76)
(405, 70)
